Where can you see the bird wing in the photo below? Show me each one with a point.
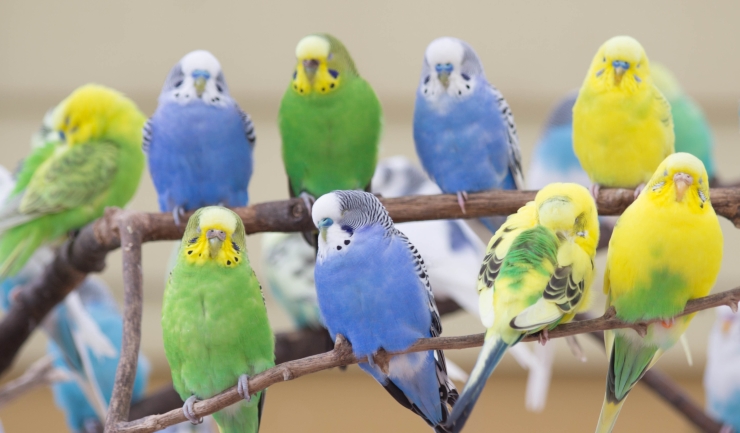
(147, 136)
(663, 110)
(248, 128)
(515, 157)
(69, 177)
(498, 247)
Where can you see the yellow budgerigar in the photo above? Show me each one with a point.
(536, 274)
(622, 124)
(665, 250)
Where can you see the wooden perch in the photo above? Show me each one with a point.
(342, 355)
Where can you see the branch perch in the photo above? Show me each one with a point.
(342, 355)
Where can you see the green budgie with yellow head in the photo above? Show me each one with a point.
(65, 184)
(214, 320)
(330, 122)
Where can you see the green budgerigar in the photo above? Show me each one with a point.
(330, 121)
(214, 320)
(66, 183)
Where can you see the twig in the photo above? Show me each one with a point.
(41, 372)
(129, 229)
(342, 355)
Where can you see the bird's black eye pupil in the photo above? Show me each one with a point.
(604, 59)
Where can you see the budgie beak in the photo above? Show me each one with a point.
(443, 73)
(215, 239)
(200, 86)
(310, 66)
(620, 67)
(324, 224)
(682, 181)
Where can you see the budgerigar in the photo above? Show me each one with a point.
(330, 121)
(722, 375)
(373, 289)
(85, 333)
(692, 131)
(214, 320)
(63, 186)
(553, 159)
(199, 142)
(666, 250)
(537, 274)
(463, 127)
(622, 124)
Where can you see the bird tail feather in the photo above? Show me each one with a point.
(608, 416)
(491, 353)
(242, 417)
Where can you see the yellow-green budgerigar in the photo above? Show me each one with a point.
(65, 184)
(665, 250)
(536, 274)
(622, 124)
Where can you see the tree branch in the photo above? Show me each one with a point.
(86, 252)
(41, 372)
(342, 355)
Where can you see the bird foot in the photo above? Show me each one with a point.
(242, 387)
(667, 324)
(639, 189)
(308, 201)
(178, 212)
(594, 189)
(575, 348)
(544, 337)
(189, 411)
(462, 197)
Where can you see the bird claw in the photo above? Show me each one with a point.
(594, 189)
(178, 212)
(189, 411)
(242, 387)
(308, 201)
(462, 197)
(639, 189)
(544, 337)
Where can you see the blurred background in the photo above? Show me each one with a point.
(534, 52)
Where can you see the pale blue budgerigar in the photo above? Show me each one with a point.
(374, 290)
(199, 142)
(553, 159)
(463, 127)
(722, 375)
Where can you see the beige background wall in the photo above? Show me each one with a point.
(533, 51)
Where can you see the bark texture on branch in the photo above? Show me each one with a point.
(342, 355)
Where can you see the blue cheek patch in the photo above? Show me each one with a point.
(348, 229)
(638, 79)
(334, 73)
(599, 72)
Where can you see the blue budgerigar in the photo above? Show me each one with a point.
(554, 159)
(373, 289)
(199, 142)
(722, 376)
(463, 127)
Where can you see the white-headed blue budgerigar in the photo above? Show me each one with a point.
(553, 159)
(463, 127)
(374, 290)
(722, 375)
(199, 142)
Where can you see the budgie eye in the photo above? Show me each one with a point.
(330, 56)
(604, 59)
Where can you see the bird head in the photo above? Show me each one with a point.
(680, 178)
(340, 215)
(214, 235)
(620, 63)
(569, 210)
(197, 77)
(93, 112)
(322, 62)
(450, 67)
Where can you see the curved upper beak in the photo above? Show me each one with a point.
(200, 77)
(215, 239)
(310, 66)
(620, 67)
(682, 181)
(443, 73)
